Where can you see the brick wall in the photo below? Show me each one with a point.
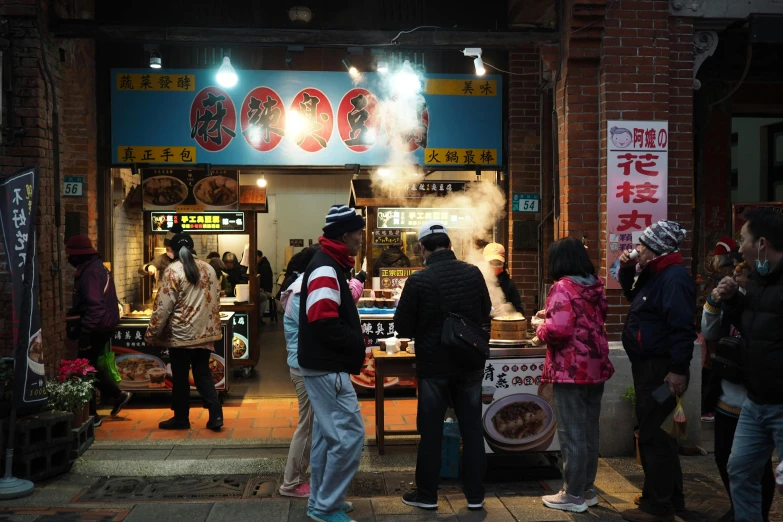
(128, 234)
(524, 149)
(622, 60)
(72, 67)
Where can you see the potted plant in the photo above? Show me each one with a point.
(73, 389)
(630, 395)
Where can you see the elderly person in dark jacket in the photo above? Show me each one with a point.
(759, 316)
(93, 316)
(420, 315)
(658, 337)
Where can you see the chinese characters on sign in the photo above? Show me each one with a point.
(416, 217)
(637, 184)
(476, 87)
(461, 156)
(387, 237)
(393, 278)
(156, 82)
(526, 203)
(374, 329)
(213, 119)
(18, 211)
(142, 154)
(200, 222)
(359, 120)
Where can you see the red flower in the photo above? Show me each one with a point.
(75, 369)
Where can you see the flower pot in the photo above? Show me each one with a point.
(78, 418)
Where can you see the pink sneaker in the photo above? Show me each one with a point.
(300, 491)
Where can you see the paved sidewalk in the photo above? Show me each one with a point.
(512, 494)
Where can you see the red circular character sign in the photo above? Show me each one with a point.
(310, 120)
(407, 123)
(263, 119)
(213, 119)
(359, 120)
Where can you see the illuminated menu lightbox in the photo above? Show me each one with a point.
(413, 218)
(204, 222)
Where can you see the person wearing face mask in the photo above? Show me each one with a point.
(161, 262)
(758, 315)
(495, 255)
(93, 316)
(658, 337)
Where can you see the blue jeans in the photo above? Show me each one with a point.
(760, 429)
(338, 440)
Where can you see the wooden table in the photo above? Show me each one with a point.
(401, 364)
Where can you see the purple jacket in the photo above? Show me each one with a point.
(94, 297)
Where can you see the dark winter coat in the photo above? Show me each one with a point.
(94, 297)
(392, 257)
(660, 322)
(760, 315)
(330, 333)
(265, 271)
(419, 313)
(510, 291)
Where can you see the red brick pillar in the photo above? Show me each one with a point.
(30, 142)
(622, 60)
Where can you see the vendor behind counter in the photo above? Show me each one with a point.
(157, 265)
(391, 257)
(495, 255)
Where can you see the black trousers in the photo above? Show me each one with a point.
(663, 490)
(108, 388)
(434, 394)
(182, 359)
(725, 426)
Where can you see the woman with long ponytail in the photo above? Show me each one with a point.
(186, 320)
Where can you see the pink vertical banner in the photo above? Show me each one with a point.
(637, 185)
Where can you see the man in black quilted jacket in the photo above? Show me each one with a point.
(420, 316)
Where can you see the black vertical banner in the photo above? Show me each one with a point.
(18, 211)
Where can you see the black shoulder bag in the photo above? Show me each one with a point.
(468, 341)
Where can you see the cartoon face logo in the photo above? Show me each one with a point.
(621, 137)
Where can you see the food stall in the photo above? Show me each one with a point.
(517, 410)
(205, 202)
(145, 368)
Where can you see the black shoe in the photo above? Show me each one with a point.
(175, 424)
(97, 420)
(412, 499)
(120, 403)
(215, 423)
(476, 506)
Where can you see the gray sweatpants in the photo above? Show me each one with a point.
(338, 440)
(577, 410)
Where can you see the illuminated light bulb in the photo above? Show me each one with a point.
(261, 182)
(479, 64)
(294, 124)
(353, 71)
(226, 75)
(383, 172)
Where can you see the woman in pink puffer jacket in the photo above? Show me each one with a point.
(577, 364)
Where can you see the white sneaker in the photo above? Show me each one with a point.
(565, 502)
(591, 498)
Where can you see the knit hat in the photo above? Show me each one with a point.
(173, 231)
(725, 245)
(182, 240)
(663, 237)
(79, 246)
(495, 252)
(431, 228)
(342, 219)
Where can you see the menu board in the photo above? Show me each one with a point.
(416, 217)
(199, 221)
(240, 346)
(387, 237)
(394, 278)
(375, 328)
(166, 189)
(511, 391)
(147, 368)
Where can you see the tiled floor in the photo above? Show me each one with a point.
(249, 419)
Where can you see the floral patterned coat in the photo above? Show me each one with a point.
(186, 315)
(577, 349)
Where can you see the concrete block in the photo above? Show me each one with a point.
(37, 432)
(617, 421)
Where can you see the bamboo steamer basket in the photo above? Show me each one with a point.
(509, 328)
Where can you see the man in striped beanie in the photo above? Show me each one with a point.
(658, 337)
(331, 348)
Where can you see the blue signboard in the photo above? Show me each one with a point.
(277, 118)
